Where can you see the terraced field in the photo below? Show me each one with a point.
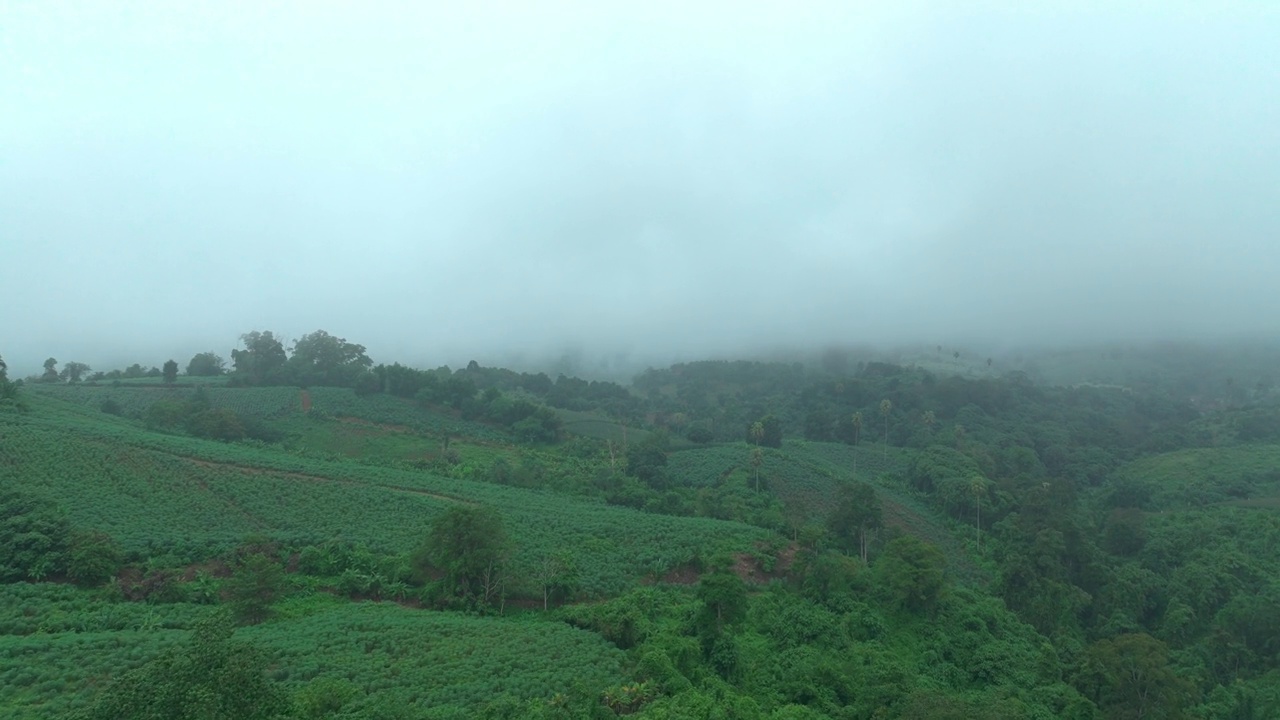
(194, 498)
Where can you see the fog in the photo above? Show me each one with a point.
(645, 184)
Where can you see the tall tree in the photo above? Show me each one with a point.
(772, 436)
(170, 371)
(857, 433)
(757, 459)
(756, 432)
(886, 407)
(978, 488)
(50, 370)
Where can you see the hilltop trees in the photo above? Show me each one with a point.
(170, 371)
(73, 372)
(50, 370)
(262, 360)
(322, 359)
(206, 364)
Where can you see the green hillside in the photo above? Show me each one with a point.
(194, 498)
(707, 543)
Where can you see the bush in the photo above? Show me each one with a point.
(93, 558)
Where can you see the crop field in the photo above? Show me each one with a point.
(806, 475)
(134, 399)
(58, 645)
(193, 498)
(1200, 476)
(388, 410)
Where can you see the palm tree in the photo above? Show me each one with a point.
(857, 431)
(978, 488)
(757, 459)
(885, 408)
(757, 432)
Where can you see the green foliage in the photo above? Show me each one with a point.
(724, 601)
(1130, 677)
(93, 558)
(647, 461)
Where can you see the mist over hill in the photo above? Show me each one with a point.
(645, 185)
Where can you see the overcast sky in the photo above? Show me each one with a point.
(441, 181)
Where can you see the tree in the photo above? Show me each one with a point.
(262, 360)
(978, 489)
(322, 359)
(911, 572)
(50, 370)
(724, 601)
(206, 364)
(756, 433)
(772, 431)
(757, 459)
(255, 585)
(1131, 678)
(170, 371)
(468, 545)
(92, 558)
(647, 461)
(33, 537)
(857, 512)
(558, 576)
(857, 434)
(885, 408)
(73, 372)
(8, 390)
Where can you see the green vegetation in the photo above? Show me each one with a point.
(335, 538)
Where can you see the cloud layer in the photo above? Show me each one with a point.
(658, 182)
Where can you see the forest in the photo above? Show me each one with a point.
(298, 532)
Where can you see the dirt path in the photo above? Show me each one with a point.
(250, 469)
